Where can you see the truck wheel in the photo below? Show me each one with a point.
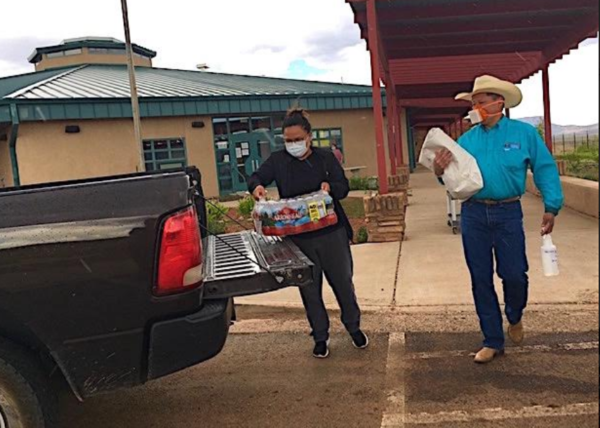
(26, 400)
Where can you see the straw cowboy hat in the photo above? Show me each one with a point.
(492, 85)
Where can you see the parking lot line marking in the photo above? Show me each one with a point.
(393, 416)
(498, 414)
(580, 346)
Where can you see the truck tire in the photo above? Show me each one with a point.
(26, 398)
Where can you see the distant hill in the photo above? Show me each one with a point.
(560, 130)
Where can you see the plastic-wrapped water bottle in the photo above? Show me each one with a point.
(549, 257)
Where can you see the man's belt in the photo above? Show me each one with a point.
(497, 202)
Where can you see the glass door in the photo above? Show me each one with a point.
(244, 152)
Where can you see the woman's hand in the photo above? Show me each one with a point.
(326, 187)
(259, 193)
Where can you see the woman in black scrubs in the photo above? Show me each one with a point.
(298, 170)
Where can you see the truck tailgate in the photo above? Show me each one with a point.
(247, 263)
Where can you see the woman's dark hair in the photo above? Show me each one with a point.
(297, 116)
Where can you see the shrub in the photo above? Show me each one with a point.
(582, 163)
(246, 206)
(362, 236)
(364, 183)
(216, 218)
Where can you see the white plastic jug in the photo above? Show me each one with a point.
(549, 257)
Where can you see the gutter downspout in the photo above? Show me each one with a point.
(12, 145)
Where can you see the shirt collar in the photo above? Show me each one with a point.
(502, 123)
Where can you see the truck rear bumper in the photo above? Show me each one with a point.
(183, 342)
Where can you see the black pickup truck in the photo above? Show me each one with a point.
(109, 283)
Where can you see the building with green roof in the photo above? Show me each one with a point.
(72, 118)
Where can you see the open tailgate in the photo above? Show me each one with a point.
(246, 263)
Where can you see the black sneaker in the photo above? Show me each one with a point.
(321, 350)
(359, 340)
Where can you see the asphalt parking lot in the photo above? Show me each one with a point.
(416, 373)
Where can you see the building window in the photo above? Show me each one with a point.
(325, 137)
(98, 51)
(68, 52)
(165, 154)
(71, 52)
(53, 55)
(106, 51)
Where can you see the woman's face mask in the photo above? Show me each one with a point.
(297, 148)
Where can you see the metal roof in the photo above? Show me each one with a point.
(8, 85)
(100, 91)
(88, 42)
(111, 81)
(433, 49)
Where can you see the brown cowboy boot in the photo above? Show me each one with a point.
(487, 355)
(516, 333)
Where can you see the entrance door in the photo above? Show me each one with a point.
(249, 151)
(244, 152)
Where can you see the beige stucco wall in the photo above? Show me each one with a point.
(106, 147)
(580, 195)
(199, 144)
(358, 130)
(87, 58)
(6, 179)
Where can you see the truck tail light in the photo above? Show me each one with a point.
(180, 257)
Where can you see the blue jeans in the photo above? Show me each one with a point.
(488, 231)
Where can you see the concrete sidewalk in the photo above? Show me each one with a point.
(432, 266)
(432, 272)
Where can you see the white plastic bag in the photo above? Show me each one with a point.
(462, 178)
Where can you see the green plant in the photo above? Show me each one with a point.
(541, 129)
(362, 236)
(216, 218)
(364, 183)
(582, 163)
(246, 206)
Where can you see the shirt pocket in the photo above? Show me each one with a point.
(513, 157)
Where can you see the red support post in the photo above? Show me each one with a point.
(398, 124)
(547, 117)
(377, 104)
(391, 112)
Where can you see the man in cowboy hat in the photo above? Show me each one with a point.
(492, 221)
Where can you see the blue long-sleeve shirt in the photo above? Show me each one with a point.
(504, 153)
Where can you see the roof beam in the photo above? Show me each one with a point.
(587, 28)
(431, 102)
(470, 38)
(499, 48)
(448, 111)
(463, 8)
(483, 23)
(435, 117)
(440, 90)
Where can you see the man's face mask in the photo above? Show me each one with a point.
(297, 148)
(480, 114)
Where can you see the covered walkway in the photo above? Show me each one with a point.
(427, 51)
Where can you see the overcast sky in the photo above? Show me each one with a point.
(305, 39)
